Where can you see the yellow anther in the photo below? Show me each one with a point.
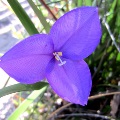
(59, 53)
(56, 54)
(57, 57)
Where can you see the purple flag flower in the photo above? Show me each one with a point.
(58, 56)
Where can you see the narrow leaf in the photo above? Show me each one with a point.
(113, 6)
(25, 104)
(40, 16)
(79, 2)
(21, 87)
(23, 17)
(88, 2)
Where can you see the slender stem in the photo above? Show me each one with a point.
(103, 95)
(67, 6)
(90, 98)
(58, 111)
(86, 114)
(49, 10)
(40, 16)
(6, 82)
(111, 35)
(101, 60)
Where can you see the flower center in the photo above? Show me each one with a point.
(57, 57)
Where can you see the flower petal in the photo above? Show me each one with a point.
(72, 81)
(26, 62)
(77, 33)
(27, 70)
(38, 44)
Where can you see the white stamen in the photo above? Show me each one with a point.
(58, 57)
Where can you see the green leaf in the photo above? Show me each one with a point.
(118, 57)
(118, 17)
(79, 2)
(21, 87)
(25, 104)
(23, 17)
(88, 2)
(113, 6)
(40, 16)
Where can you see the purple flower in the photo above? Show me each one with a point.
(58, 56)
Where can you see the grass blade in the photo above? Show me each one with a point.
(25, 104)
(88, 2)
(21, 87)
(40, 16)
(79, 3)
(23, 17)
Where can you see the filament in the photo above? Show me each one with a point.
(57, 56)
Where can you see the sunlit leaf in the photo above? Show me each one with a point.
(25, 104)
(88, 2)
(40, 16)
(21, 87)
(23, 17)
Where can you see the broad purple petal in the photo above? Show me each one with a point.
(27, 70)
(72, 81)
(38, 44)
(77, 33)
(26, 62)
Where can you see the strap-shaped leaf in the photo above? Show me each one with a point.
(88, 2)
(79, 2)
(40, 16)
(23, 17)
(112, 10)
(25, 104)
(21, 87)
